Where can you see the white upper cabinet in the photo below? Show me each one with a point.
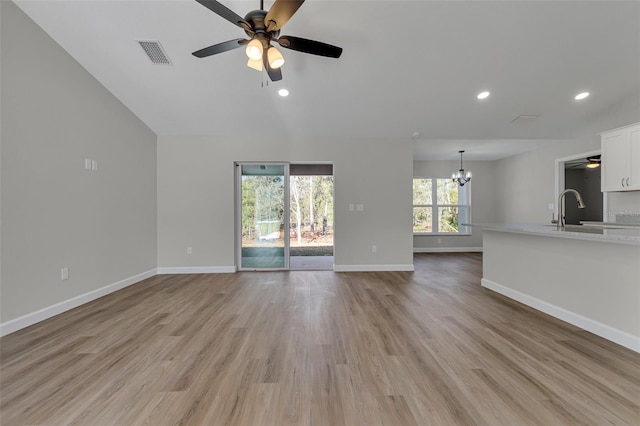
(621, 159)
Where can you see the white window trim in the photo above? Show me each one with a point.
(434, 206)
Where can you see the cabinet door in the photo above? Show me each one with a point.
(634, 158)
(614, 161)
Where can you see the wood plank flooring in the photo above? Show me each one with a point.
(315, 348)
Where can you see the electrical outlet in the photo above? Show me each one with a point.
(189, 250)
(552, 206)
(359, 207)
(64, 274)
(439, 240)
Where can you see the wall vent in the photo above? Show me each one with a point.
(155, 52)
(524, 119)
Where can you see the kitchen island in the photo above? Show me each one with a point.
(589, 277)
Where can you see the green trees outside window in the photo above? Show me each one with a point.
(440, 206)
(311, 209)
(311, 205)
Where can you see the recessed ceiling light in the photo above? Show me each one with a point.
(483, 95)
(581, 96)
(283, 92)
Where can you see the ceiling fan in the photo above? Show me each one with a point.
(591, 162)
(264, 27)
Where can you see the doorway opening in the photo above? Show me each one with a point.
(573, 173)
(311, 216)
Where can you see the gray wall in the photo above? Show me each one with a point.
(196, 197)
(573, 179)
(587, 183)
(102, 225)
(484, 198)
(592, 188)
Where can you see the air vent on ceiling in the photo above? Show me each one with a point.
(524, 118)
(155, 52)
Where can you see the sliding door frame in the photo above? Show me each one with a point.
(238, 213)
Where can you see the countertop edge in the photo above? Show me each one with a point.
(550, 231)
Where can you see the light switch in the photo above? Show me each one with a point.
(94, 165)
(351, 207)
(87, 163)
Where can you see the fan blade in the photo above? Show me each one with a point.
(219, 48)
(310, 46)
(275, 74)
(281, 11)
(223, 11)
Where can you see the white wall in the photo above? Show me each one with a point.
(526, 182)
(483, 203)
(196, 198)
(101, 225)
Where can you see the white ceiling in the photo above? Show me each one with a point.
(407, 66)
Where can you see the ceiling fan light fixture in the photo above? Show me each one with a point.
(593, 162)
(275, 58)
(263, 27)
(255, 64)
(254, 50)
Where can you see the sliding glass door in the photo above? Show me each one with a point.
(311, 200)
(263, 206)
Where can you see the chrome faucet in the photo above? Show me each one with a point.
(581, 205)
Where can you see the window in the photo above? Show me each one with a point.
(440, 206)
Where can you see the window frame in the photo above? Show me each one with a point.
(435, 219)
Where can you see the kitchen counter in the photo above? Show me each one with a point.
(586, 276)
(607, 233)
(610, 224)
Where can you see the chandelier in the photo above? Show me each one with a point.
(461, 176)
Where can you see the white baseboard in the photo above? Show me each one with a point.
(53, 310)
(613, 334)
(372, 268)
(197, 270)
(447, 249)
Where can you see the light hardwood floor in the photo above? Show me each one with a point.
(316, 348)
